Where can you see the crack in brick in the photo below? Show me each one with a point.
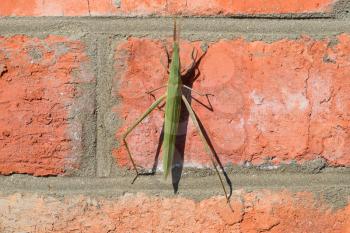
(269, 228)
(3, 70)
(306, 87)
(88, 4)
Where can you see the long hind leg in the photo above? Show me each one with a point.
(132, 127)
(205, 142)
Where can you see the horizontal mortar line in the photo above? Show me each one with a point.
(117, 187)
(163, 26)
(156, 185)
(196, 193)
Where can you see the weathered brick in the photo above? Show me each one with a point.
(160, 7)
(229, 7)
(259, 211)
(39, 131)
(281, 101)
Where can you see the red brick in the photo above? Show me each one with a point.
(286, 100)
(37, 91)
(160, 7)
(263, 211)
(18, 8)
(43, 8)
(228, 7)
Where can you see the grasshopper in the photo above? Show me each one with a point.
(173, 99)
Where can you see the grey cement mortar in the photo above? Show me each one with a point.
(208, 29)
(84, 111)
(342, 9)
(332, 188)
(107, 121)
(313, 167)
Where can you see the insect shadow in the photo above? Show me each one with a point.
(188, 79)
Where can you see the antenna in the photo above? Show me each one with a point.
(175, 35)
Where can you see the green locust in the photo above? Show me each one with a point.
(173, 99)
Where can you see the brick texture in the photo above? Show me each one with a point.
(69, 89)
(38, 78)
(263, 211)
(281, 101)
(160, 7)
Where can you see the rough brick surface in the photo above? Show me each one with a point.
(264, 211)
(283, 101)
(160, 7)
(38, 78)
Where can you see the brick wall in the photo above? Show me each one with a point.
(278, 119)
(162, 7)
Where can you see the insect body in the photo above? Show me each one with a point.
(172, 110)
(173, 98)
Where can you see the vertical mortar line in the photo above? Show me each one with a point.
(100, 157)
(95, 53)
(87, 113)
(105, 116)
